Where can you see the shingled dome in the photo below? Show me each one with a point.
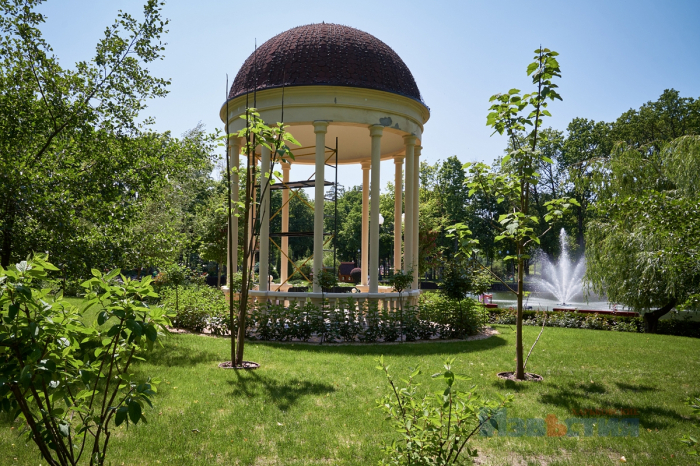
(325, 54)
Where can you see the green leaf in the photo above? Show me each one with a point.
(112, 274)
(121, 415)
(151, 333)
(532, 67)
(96, 273)
(64, 429)
(134, 411)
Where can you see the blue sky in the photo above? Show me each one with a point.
(615, 55)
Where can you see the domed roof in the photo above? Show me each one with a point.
(325, 54)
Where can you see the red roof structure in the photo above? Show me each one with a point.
(325, 54)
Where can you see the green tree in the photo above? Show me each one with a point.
(212, 226)
(642, 246)
(587, 143)
(658, 122)
(153, 235)
(511, 185)
(73, 160)
(275, 139)
(349, 238)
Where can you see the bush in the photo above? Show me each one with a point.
(356, 275)
(304, 265)
(200, 308)
(434, 429)
(452, 318)
(678, 327)
(353, 321)
(51, 362)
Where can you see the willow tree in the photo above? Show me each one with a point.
(642, 249)
(519, 117)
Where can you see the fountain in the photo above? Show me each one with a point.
(560, 287)
(563, 279)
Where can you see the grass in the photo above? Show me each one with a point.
(311, 404)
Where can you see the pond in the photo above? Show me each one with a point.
(540, 300)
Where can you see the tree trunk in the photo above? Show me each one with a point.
(519, 370)
(651, 319)
(218, 278)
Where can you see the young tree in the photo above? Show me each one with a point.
(512, 184)
(212, 227)
(275, 139)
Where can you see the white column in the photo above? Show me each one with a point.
(234, 162)
(375, 131)
(416, 210)
(408, 262)
(284, 263)
(364, 249)
(320, 128)
(264, 218)
(398, 209)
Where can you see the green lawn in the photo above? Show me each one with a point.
(312, 404)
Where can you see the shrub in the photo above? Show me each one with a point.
(356, 275)
(200, 308)
(434, 429)
(583, 320)
(51, 363)
(452, 318)
(304, 265)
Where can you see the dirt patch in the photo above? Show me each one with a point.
(246, 365)
(529, 377)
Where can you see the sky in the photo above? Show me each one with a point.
(614, 55)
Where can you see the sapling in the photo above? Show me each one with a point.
(435, 429)
(401, 281)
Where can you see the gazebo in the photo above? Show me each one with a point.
(340, 84)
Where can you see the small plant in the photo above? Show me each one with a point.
(200, 307)
(327, 280)
(435, 429)
(175, 276)
(688, 439)
(401, 281)
(71, 384)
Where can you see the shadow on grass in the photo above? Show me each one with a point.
(404, 349)
(183, 356)
(573, 396)
(512, 386)
(634, 388)
(282, 394)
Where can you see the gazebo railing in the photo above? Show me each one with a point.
(389, 301)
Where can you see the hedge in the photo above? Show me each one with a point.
(677, 327)
(203, 308)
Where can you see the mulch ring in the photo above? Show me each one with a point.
(529, 377)
(247, 365)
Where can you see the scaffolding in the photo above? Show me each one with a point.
(294, 188)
